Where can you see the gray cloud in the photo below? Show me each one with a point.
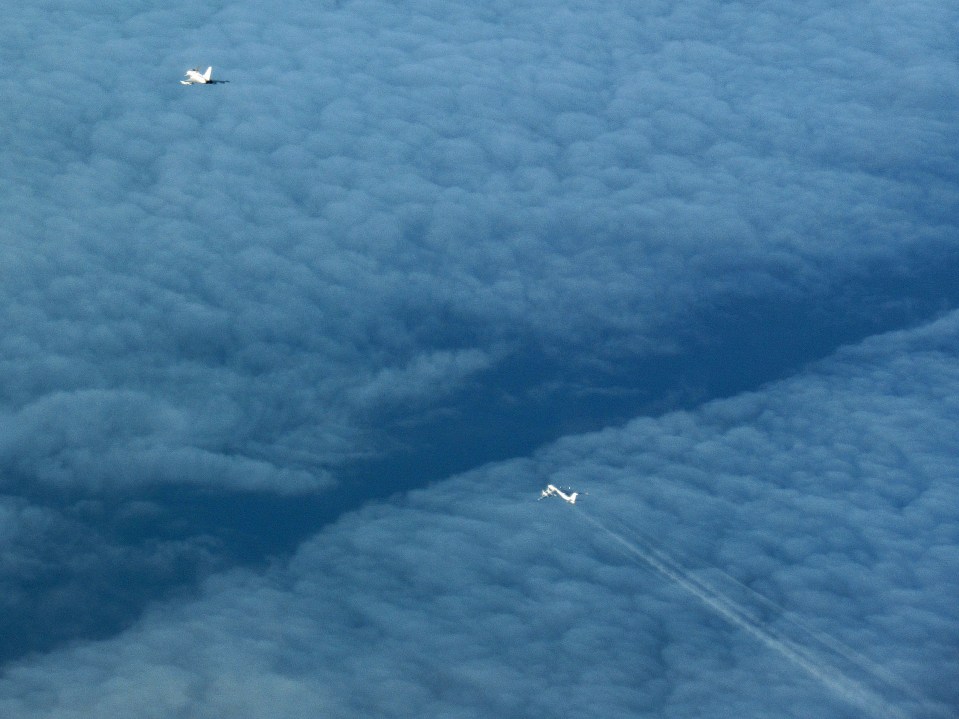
(830, 494)
(435, 235)
(377, 188)
(65, 570)
(125, 439)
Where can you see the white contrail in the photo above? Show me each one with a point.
(830, 676)
(862, 662)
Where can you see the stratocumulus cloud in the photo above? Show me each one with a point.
(384, 187)
(471, 599)
(409, 240)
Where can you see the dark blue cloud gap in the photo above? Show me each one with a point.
(84, 569)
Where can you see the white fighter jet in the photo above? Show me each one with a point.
(554, 491)
(193, 77)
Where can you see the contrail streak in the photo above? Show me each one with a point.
(865, 664)
(829, 676)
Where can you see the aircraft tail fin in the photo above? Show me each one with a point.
(208, 74)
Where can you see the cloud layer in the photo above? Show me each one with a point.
(408, 240)
(383, 202)
(830, 494)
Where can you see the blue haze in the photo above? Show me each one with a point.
(285, 359)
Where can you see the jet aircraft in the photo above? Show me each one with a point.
(193, 77)
(554, 491)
